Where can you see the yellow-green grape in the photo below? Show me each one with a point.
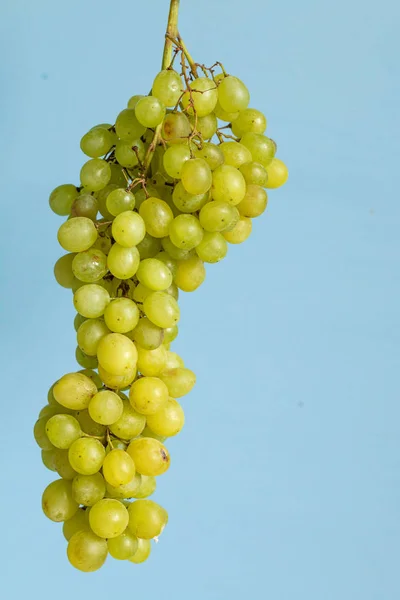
(91, 300)
(62, 198)
(162, 309)
(168, 421)
(173, 360)
(77, 234)
(127, 490)
(57, 501)
(78, 320)
(233, 95)
(157, 216)
(249, 120)
(149, 247)
(147, 519)
(141, 194)
(142, 553)
(117, 354)
(105, 407)
(63, 466)
(147, 486)
(89, 266)
(152, 362)
(48, 459)
(123, 546)
(223, 115)
(167, 87)
(40, 434)
(89, 335)
(196, 176)
(148, 433)
(117, 382)
(147, 335)
(120, 200)
(187, 203)
(186, 232)
(86, 456)
(121, 315)
(154, 274)
(93, 376)
(130, 424)
(174, 252)
(117, 175)
(148, 394)
(129, 153)
(102, 196)
(235, 154)
(49, 410)
(174, 159)
(179, 381)
(88, 489)
(108, 518)
(85, 205)
(118, 468)
(240, 232)
(170, 334)
(63, 271)
(123, 262)
(115, 443)
(134, 100)
(74, 390)
(201, 98)
(97, 142)
(173, 289)
(277, 174)
(212, 154)
(88, 425)
(150, 111)
(254, 173)
(128, 229)
(176, 128)
(254, 203)
(79, 522)
(95, 174)
(206, 126)
(228, 185)
(150, 456)
(212, 248)
(168, 261)
(261, 147)
(63, 430)
(86, 551)
(141, 292)
(191, 274)
(127, 125)
(218, 216)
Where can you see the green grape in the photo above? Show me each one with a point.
(170, 334)
(261, 147)
(249, 120)
(126, 155)
(150, 111)
(118, 468)
(149, 247)
(123, 262)
(91, 300)
(63, 271)
(86, 456)
(48, 459)
(254, 173)
(218, 216)
(141, 194)
(162, 309)
(176, 128)
(127, 490)
(152, 362)
(116, 443)
(147, 335)
(154, 274)
(196, 176)
(174, 252)
(168, 261)
(108, 518)
(141, 292)
(105, 407)
(174, 159)
(147, 519)
(103, 243)
(179, 381)
(254, 203)
(228, 185)
(142, 553)
(233, 95)
(235, 154)
(117, 175)
(63, 466)
(88, 489)
(186, 232)
(148, 433)
(201, 98)
(89, 335)
(172, 290)
(191, 274)
(40, 434)
(51, 409)
(150, 456)
(157, 216)
(134, 100)
(74, 390)
(173, 360)
(95, 174)
(130, 424)
(187, 203)
(88, 425)
(85, 205)
(89, 266)
(62, 198)
(206, 126)
(120, 200)
(223, 115)
(212, 248)
(122, 288)
(277, 174)
(97, 142)
(148, 394)
(169, 420)
(57, 501)
(92, 376)
(78, 320)
(128, 229)
(102, 197)
(212, 154)
(116, 353)
(147, 487)
(86, 551)
(123, 546)
(77, 234)
(121, 315)
(127, 126)
(117, 382)
(79, 522)
(167, 87)
(240, 232)
(63, 430)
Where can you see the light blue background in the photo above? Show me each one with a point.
(285, 482)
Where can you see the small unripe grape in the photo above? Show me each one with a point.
(62, 198)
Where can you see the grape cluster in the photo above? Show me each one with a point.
(177, 178)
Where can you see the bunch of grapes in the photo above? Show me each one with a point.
(177, 178)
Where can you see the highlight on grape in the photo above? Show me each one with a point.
(164, 191)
